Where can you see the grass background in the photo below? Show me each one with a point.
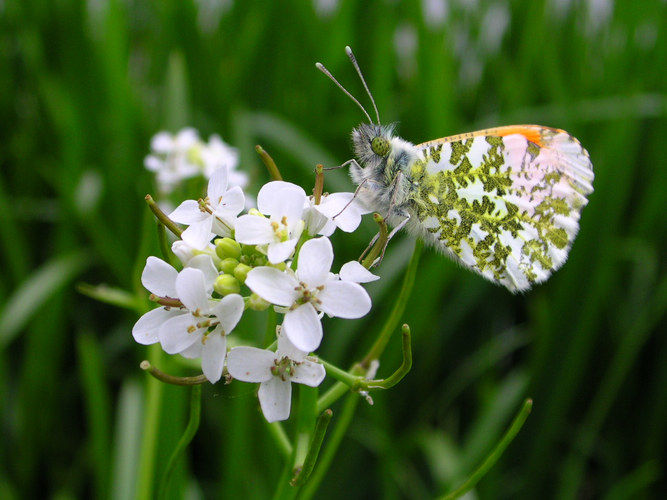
(83, 87)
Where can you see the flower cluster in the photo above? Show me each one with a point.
(279, 255)
(175, 158)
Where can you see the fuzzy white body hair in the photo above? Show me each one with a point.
(385, 180)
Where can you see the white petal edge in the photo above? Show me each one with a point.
(280, 251)
(174, 336)
(275, 398)
(159, 278)
(344, 300)
(315, 259)
(191, 289)
(145, 330)
(272, 285)
(303, 328)
(187, 213)
(254, 230)
(213, 356)
(353, 271)
(309, 373)
(250, 364)
(229, 311)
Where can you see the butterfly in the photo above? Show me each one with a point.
(504, 202)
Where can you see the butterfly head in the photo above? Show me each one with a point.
(372, 143)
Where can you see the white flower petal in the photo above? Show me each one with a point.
(303, 328)
(233, 201)
(217, 186)
(191, 289)
(213, 356)
(159, 277)
(192, 352)
(162, 142)
(344, 300)
(280, 251)
(273, 285)
(188, 213)
(275, 398)
(199, 234)
(343, 210)
(229, 311)
(204, 263)
(315, 259)
(254, 230)
(309, 373)
(174, 335)
(145, 330)
(286, 348)
(250, 364)
(353, 271)
(280, 198)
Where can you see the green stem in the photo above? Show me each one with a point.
(152, 413)
(335, 438)
(186, 438)
(402, 370)
(495, 454)
(269, 163)
(171, 379)
(277, 432)
(314, 449)
(399, 306)
(162, 217)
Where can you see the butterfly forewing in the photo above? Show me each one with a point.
(505, 202)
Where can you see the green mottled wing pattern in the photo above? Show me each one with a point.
(504, 202)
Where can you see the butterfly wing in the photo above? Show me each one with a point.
(504, 202)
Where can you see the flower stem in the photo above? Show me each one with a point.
(319, 183)
(313, 451)
(329, 452)
(186, 438)
(402, 370)
(269, 163)
(162, 217)
(277, 432)
(495, 454)
(171, 379)
(399, 306)
(152, 413)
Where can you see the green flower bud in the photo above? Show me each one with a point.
(241, 272)
(281, 266)
(228, 265)
(226, 284)
(248, 250)
(227, 247)
(257, 303)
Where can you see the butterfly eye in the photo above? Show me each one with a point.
(380, 146)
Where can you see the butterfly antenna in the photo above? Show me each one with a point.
(349, 53)
(321, 67)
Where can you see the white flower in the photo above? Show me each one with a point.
(215, 214)
(198, 328)
(284, 203)
(334, 210)
(309, 291)
(174, 157)
(275, 371)
(202, 332)
(159, 278)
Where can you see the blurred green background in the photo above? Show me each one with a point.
(83, 87)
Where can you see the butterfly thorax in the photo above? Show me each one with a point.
(382, 170)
